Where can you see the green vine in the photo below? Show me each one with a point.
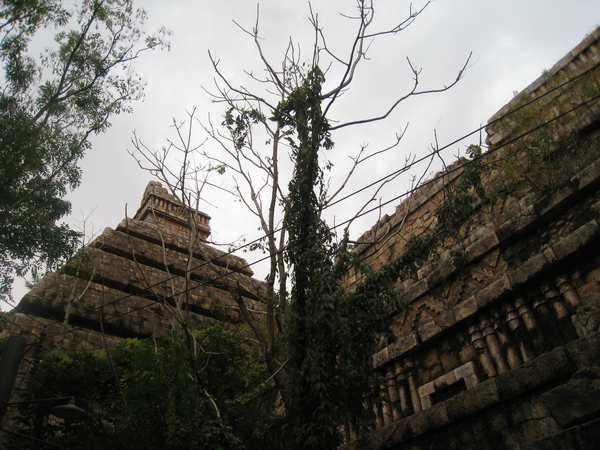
(331, 334)
(457, 207)
(550, 150)
(454, 211)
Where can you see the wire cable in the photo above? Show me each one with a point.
(405, 194)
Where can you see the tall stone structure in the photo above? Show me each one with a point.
(499, 344)
(150, 274)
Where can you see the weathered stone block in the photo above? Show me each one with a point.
(381, 357)
(417, 290)
(465, 308)
(445, 380)
(587, 316)
(428, 329)
(429, 419)
(424, 271)
(587, 177)
(582, 236)
(404, 344)
(481, 247)
(402, 431)
(530, 268)
(538, 409)
(522, 412)
(584, 354)
(493, 292)
(517, 224)
(472, 400)
(579, 437)
(430, 359)
(449, 359)
(442, 272)
(536, 429)
(466, 370)
(426, 389)
(561, 200)
(533, 374)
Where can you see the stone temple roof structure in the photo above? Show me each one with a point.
(160, 207)
(146, 276)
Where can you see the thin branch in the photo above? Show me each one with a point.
(412, 93)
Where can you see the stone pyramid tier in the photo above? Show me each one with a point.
(152, 273)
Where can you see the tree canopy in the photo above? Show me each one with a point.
(151, 394)
(50, 105)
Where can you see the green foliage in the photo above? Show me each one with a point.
(153, 395)
(49, 107)
(331, 334)
(459, 205)
(239, 122)
(548, 150)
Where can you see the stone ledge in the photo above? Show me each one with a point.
(574, 402)
(490, 294)
(588, 178)
(153, 234)
(472, 400)
(518, 224)
(530, 376)
(580, 437)
(533, 374)
(465, 309)
(579, 238)
(482, 247)
(531, 268)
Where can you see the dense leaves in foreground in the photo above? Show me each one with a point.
(148, 394)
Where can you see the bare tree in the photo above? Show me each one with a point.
(258, 180)
(267, 125)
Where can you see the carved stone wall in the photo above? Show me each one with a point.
(499, 344)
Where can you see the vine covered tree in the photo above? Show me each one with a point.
(317, 339)
(49, 107)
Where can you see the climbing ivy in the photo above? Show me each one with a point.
(458, 206)
(331, 333)
(453, 212)
(548, 150)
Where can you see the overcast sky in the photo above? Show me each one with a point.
(512, 42)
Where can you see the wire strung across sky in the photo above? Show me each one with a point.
(409, 192)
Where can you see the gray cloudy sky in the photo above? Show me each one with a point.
(512, 42)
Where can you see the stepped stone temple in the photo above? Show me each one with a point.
(138, 280)
(496, 259)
